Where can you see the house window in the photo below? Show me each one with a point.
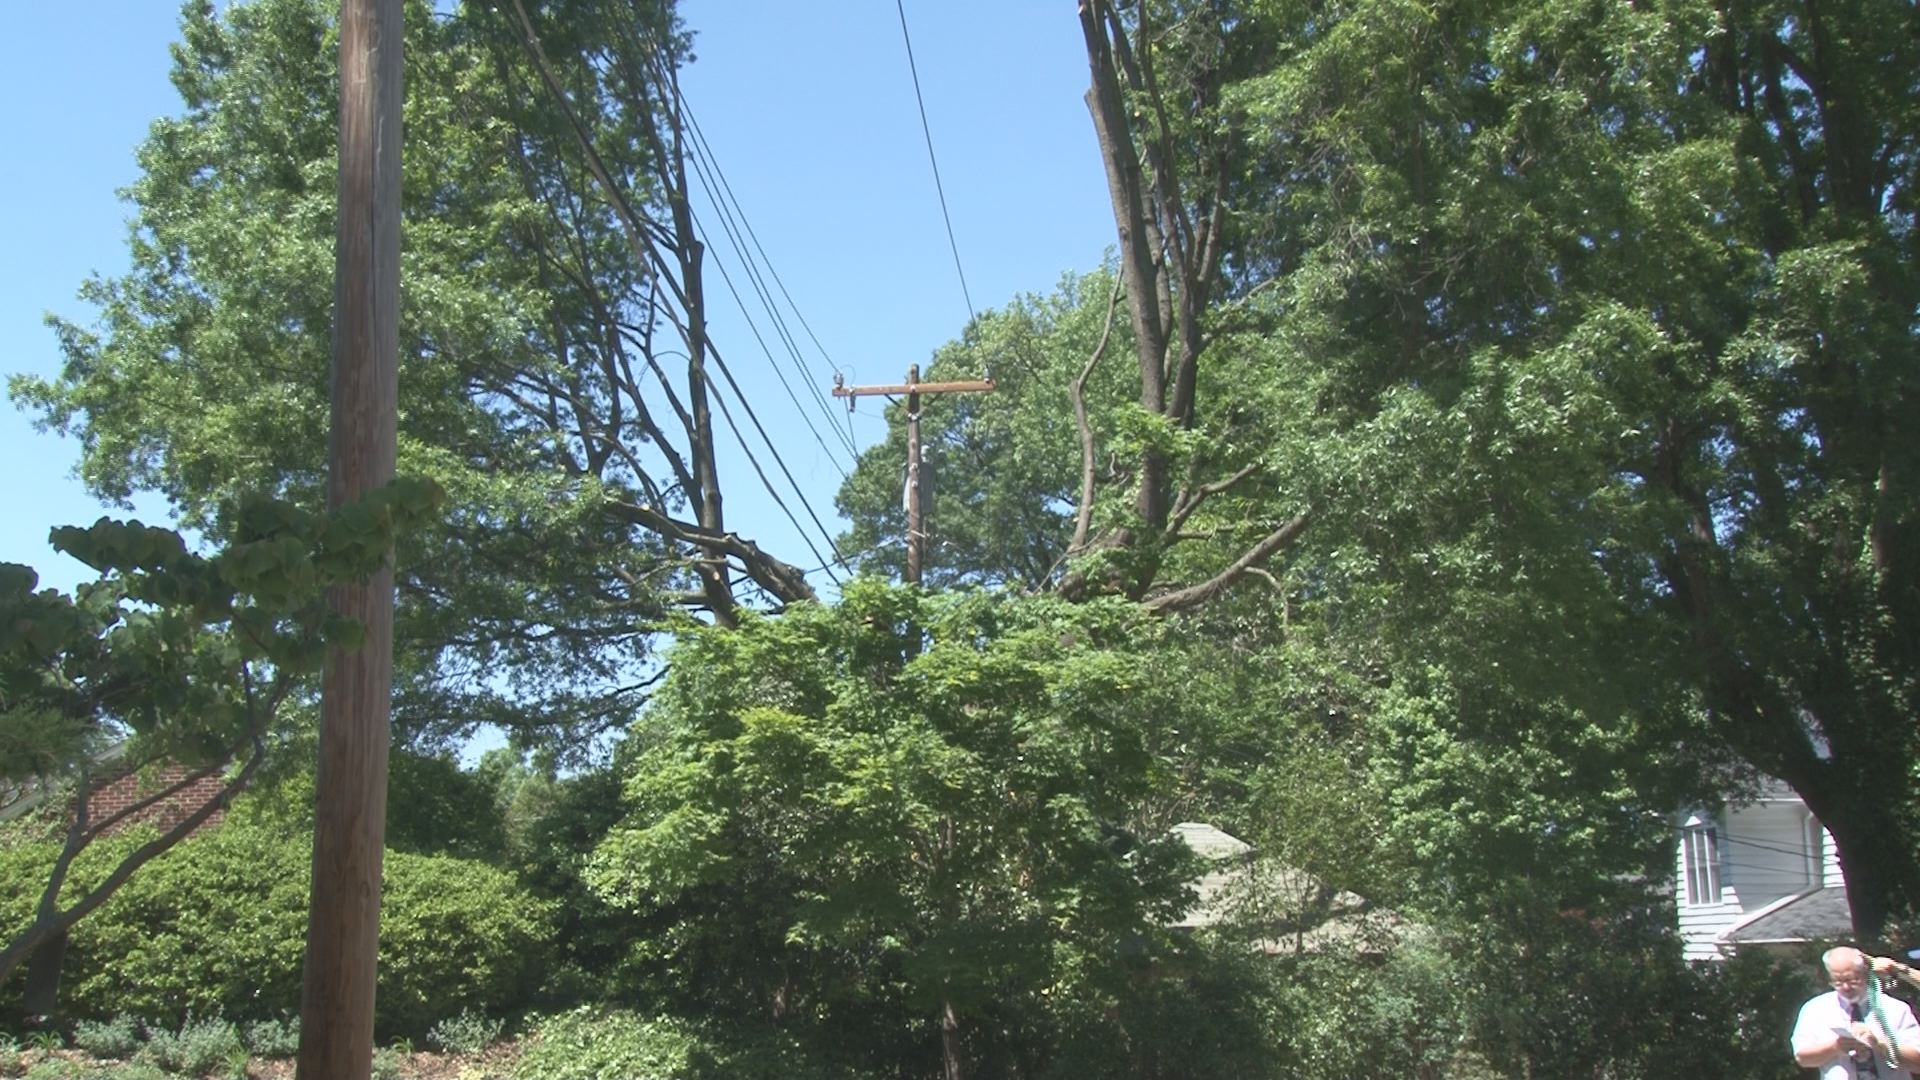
(1816, 848)
(1700, 848)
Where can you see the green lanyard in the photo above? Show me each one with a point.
(1880, 1017)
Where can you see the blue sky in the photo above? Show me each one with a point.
(809, 110)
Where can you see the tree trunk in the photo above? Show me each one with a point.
(43, 978)
(1874, 846)
(950, 1042)
(1134, 229)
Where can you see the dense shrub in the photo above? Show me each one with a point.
(115, 1038)
(218, 928)
(558, 824)
(24, 867)
(594, 1044)
(388, 1063)
(131, 1070)
(276, 1038)
(455, 936)
(589, 1043)
(468, 1033)
(54, 1069)
(196, 1048)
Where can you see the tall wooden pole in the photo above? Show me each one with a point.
(916, 528)
(350, 805)
(915, 508)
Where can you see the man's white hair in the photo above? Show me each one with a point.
(1843, 957)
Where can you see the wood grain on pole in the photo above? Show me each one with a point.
(350, 806)
(916, 529)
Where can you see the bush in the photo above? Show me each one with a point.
(217, 927)
(276, 1038)
(388, 1062)
(469, 1033)
(115, 1038)
(195, 1049)
(132, 1070)
(455, 936)
(24, 867)
(53, 1069)
(590, 1043)
(593, 1043)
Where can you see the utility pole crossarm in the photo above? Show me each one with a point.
(914, 387)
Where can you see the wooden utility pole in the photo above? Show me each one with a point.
(913, 388)
(350, 803)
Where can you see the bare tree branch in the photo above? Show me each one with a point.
(1186, 504)
(51, 922)
(1195, 595)
(1083, 514)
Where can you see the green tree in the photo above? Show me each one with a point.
(170, 656)
(434, 807)
(1615, 303)
(907, 799)
(1580, 333)
(1000, 466)
(555, 376)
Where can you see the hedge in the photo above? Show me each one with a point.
(218, 927)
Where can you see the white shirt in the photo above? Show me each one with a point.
(1821, 1015)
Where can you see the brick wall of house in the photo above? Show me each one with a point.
(116, 793)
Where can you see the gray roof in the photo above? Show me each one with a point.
(1285, 908)
(1228, 858)
(1815, 915)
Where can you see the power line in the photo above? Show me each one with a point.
(705, 170)
(755, 462)
(771, 363)
(702, 163)
(927, 130)
(643, 241)
(1782, 849)
(704, 150)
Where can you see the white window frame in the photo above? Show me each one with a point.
(1700, 859)
(1816, 839)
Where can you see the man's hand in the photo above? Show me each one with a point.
(1857, 1036)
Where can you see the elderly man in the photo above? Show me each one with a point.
(1845, 1037)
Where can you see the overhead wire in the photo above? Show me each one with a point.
(643, 241)
(777, 373)
(755, 462)
(938, 187)
(747, 406)
(1781, 849)
(733, 229)
(725, 197)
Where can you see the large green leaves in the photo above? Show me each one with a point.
(902, 794)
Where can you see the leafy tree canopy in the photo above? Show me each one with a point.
(174, 656)
(1576, 338)
(906, 799)
(546, 284)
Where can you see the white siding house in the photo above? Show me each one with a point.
(1762, 873)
